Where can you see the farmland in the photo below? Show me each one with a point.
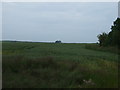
(58, 65)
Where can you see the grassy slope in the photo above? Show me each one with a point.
(57, 65)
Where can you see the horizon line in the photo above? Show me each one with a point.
(42, 41)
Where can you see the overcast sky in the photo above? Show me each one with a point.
(48, 22)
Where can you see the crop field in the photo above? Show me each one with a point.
(57, 65)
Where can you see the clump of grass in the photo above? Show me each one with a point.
(18, 63)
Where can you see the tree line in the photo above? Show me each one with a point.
(113, 37)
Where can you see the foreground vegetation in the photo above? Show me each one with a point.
(57, 65)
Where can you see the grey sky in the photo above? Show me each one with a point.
(68, 22)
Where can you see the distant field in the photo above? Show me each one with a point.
(58, 65)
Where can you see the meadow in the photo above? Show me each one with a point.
(58, 65)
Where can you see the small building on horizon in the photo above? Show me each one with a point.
(58, 41)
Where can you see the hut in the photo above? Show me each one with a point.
(58, 41)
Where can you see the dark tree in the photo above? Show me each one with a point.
(113, 37)
(102, 39)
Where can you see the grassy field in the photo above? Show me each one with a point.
(53, 65)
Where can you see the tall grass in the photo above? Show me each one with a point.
(48, 73)
(49, 65)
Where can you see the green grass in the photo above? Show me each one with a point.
(95, 46)
(52, 65)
